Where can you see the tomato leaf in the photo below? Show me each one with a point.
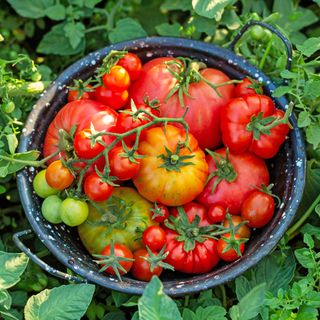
(31, 8)
(127, 29)
(155, 304)
(12, 265)
(56, 12)
(207, 313)
(210, 8)
(57, 42)
(73, 301)
(167, 29)
(313, 134)
(75, 33)
(169, 5)
(304, 119)
(12, 142)
(310, 46)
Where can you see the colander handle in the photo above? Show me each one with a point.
(39, 262)
(251, 23)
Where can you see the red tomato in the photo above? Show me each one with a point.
(188, 249)
(111, 98)
(132, 64)
(141, 267)
(58, 176)
(127, 122)
(117, 79)
(121, 166)
(246, 87)
(216, 213)
(239, 178)
(229, 254)
(74, 94)
(82, 145)
(96, 189)
(160, 213)
(154, 237)
(122, 251)
(193, 209)
(258, 209)
(204, 104)
(243, 126)
(244, 231)
(80, 113)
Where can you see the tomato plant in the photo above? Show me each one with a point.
(247, 87)
(154, 237)
(232, 178)
(41, 186)
(113, 99)
(159, 212)
(50, 209)
(117, 79)
(122, 218)
(58, 176)
(243, 230)
(73, 211)
(229, 247)
(132, 63)
(216, 213)
(170, 172)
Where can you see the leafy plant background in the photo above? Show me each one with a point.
(39, 38)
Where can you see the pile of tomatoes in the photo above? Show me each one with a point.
(161, 165)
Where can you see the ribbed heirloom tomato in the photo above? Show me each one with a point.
(157, 80)
(170, 173)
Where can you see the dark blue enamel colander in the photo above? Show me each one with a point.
(287, 170)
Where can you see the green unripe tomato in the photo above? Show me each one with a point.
(41, 187)
(257, 33)
(8, 106)
(50, 209)
(36, 76)
(73, 212)
(267, 36)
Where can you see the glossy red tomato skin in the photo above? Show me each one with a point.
(251, 173)
(154, 237)
(120, 250)
(58, 176)
(205, 105)
(95, 189)
(229, 255)
(243, 89)
(202, 258)
(238, 114)
(117, 79)
(81, 113)
(114, 99)
(132, 63)
(258, 209)
(216, 213)
(164, 213)
(244, 231)
(82, 145)
(141, 268)
(193, 209)
(74, 94)
(122, 167)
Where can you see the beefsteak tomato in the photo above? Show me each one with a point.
(122, 218)
(157, 81)
(80, 113)
(170, 173)
(233, 178)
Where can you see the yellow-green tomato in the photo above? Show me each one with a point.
(122, 218)
(41, 187)
(73, 212)
(50, 209)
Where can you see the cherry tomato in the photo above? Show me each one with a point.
(111, 98)
(216, 213)
(246, 87)
(73, 212)
(154, 237)
(121, 166)
(41, 187)
(96, 189)
(74, 94)
(160, 213)
(120, 250)
(50, 209)
(132, 64)
(141, 267)
(258, 209)
(82, 145)
(230, 254)
(244, 231)
(117, 79)
(58, 176)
